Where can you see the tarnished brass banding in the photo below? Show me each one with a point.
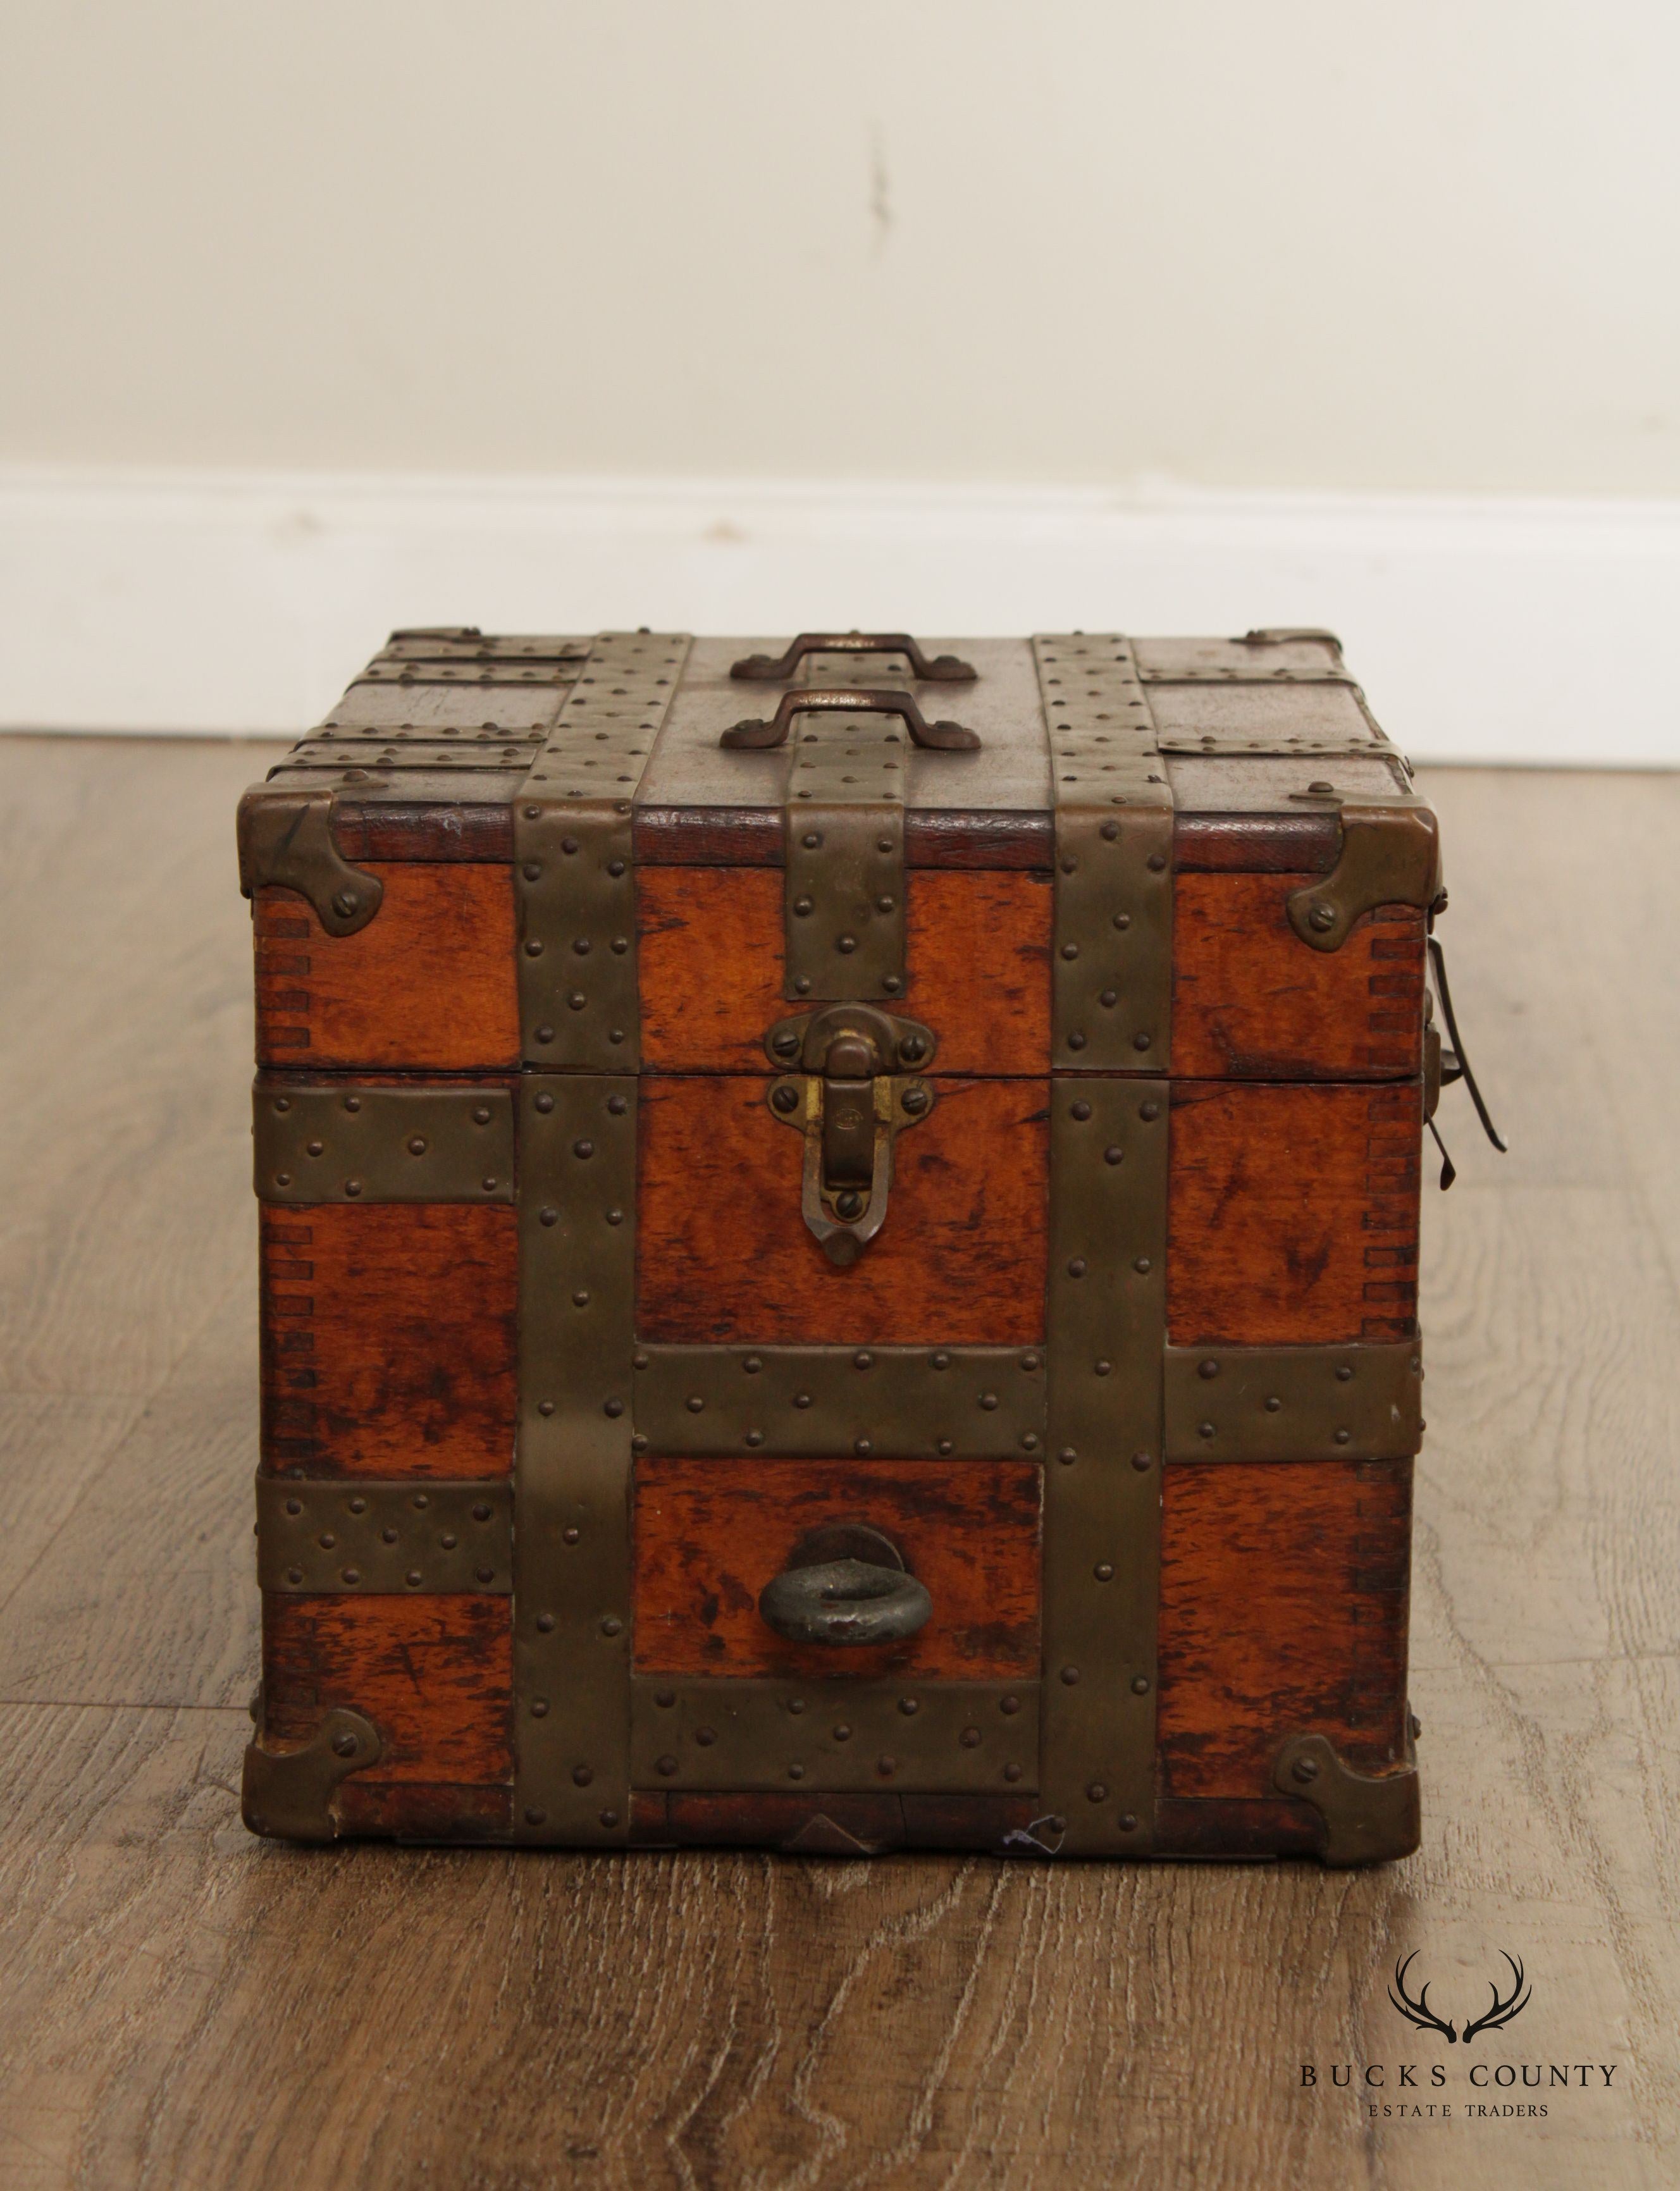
(1356, 1402)
(827, 1737)
(815, 1403)
(1107, 1322)
(361, 1537)
(353, 1141)
(844, 881)
(1111, 952)
(572, 882)
(1106, 1305)
(572, 1458)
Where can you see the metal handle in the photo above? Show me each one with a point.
(757, 732)
(942, 669)
(845, 1601)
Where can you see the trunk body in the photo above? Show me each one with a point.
(845, 1293)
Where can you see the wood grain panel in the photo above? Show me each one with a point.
(710, 961)
(1283, 1599)
(723, 1253)
(388, 1338)
(434, 1674)
(429, 983)
(1250, 1000)
(709, 1534)
(1293, 1213)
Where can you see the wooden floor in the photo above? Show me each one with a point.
(182, 2006)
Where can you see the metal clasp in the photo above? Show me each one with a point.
(850, 1100)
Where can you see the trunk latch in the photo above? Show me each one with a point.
(850, 1098)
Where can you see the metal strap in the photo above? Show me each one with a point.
(361, 1142)
(577, 1132)
(814, 1737)
(408, 1538)
(1106, 1314)
(572, 883)
(844, 888)
(572, 1458)
(913, 1403)
(1112, 980)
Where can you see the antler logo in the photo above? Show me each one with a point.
(1420, 2012)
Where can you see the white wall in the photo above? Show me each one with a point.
(320, 315)
(1307, 244)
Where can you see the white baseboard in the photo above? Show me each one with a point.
(1496, 630)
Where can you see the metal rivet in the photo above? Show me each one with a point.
(1076, 1042)
(481, 1114)
(545, 1624)
(545, 1102)
(1078, 1268)
(1103, 1368)
(1343, 1437)
(545, 1406)
(1104, 1571)
(946, 1445)
(584, 1149)
(842, 1732)
(1070, 950)
(1344, 1373)
(618, 1105)
(909, 1707)
(1096, 1793)
(705, 1736)
(796, 1773)
(1140, 1461)
(1114, 1153)
(1151, 1110)
(352, 1187)
(1081, 1110)
(1141, 1263)
(569, 1535)
(614, 1408)
(413, 1578)
(294, 1575)
(886, 1767)
(941, 1361)
(1208, 1368)
(667, 1766)
(1273, 1404)
(295, 1506)
(611, 1625)
(1070, 1675)
(1068, 1456)
(1011, 1772)
(845, 945)
(609, 1819)
(695, 1402)
(861, 1447)
(1127, 1822)
(1140, 1685)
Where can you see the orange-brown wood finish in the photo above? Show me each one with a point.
(1283, 1597)
(977, 949)
(435, 1675)
(723, 1253)
(1250, 999)
(1292, 1213)
(429, 983)
(388, 1339)
(709, 1534)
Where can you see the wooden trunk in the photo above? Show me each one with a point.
(847, 1293)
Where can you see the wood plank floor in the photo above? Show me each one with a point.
(182, 2006)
